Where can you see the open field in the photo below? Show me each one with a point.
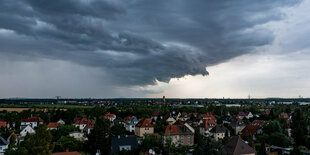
(45, 107)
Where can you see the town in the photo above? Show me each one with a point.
(155, 126)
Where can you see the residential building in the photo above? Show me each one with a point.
(130, 122)
(110, 116)
(259, 123)
(179, 134)
(124, 143)
(206, 126)
(246, 115)
(284, 115)
(60, 121)
(53, 125)
(81, 123)
(67, 153)
(219, 132)
(27, 130)
(237, 125)
(15, 138)
(4, 124)
(170, 120)
(236, 146)
(155, 115)
(80, 136)
(32, 121)
(3, 145)
(208, 116)
(88, 128)
(251, 130)
(144, 127)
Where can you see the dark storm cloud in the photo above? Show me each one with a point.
(137, 42)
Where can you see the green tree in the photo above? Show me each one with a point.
(67, 142)
(118, 130)
(99, 138)
(39, 143)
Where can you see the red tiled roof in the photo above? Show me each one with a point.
(172, 129)
(156, 113)
(83, 121)
(147, 122)
(53, 125)
(127, 118)
(3, 124)
(67, 153)
(32, 119)
(249, 130)
(283, 115)
(241, 114)
(109, 115)
(209, 123)
(208, 116)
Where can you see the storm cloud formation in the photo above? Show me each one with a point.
(137, 42)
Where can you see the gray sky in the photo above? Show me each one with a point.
(147, 48)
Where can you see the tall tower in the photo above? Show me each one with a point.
(164, 100)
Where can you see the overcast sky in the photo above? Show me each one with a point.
(151, 48)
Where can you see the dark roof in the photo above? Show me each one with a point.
(236, 123)
(124, 140)
(237, 146)
(218, 129)
(3, 141)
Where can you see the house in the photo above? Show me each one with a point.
(78, 136)
(81, 123)
(179, 134)
(60, 121)
(206, 126)
(170, 120)
(259, 123)
(144, 127)
(124, 143)
(110, 116)
(246, 115)
(155, 115)
(218, 132)
(32, 121)
(88, 128)
(251, 130)
(237, 125)
(130, 122)
(53, 125)
(15, 138)
(284, 115)
(3, 145)
(4, 124)
(67, 153)
(27, 130)
(208, 116)
(236, 146)
(184, 116)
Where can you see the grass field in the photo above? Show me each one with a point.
(45, 107)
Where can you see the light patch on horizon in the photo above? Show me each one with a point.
(258, 75)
